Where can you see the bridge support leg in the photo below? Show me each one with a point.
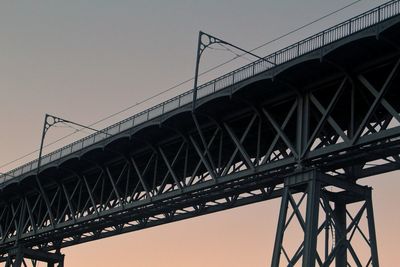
(311, 221)
(20, 256)
(372, 233)
(316, 202)
(340, 214)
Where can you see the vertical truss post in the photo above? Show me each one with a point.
(327, 240)
(340, 214)
(371, 229)
(281, 228)
(302, 127)
(311, 220)
(15, 258)
(18, 258)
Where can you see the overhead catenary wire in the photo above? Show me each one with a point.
(66, 125)
(185, 81)
(235, 53)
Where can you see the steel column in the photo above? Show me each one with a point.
(371, 229)
(340, 214)
(281, 228)
(310, 235)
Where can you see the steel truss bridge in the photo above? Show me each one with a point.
(303, 124)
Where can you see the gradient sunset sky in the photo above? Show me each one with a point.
(84, 60)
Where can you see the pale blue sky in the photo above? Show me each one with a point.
(84, 60)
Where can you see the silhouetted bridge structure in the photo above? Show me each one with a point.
(303, 124)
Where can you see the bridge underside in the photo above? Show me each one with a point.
(336, 115)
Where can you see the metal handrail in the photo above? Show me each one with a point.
(339, 31)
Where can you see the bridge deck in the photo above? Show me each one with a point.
(331, 104)
(314, 46)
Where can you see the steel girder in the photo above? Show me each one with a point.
(237, 151)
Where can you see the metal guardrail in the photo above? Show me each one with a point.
(307, 45)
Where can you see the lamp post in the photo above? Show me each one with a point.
(49, 121)
(205, 40)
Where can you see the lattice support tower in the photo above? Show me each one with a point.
(321, 210)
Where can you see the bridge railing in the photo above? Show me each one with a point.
(302, 47)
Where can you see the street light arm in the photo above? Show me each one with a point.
(201, 46)
(234, 46)
(50, 121)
